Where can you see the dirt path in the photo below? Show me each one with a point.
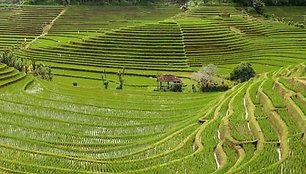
(47, 28)
(301, 81)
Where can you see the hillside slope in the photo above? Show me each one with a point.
(73, 125)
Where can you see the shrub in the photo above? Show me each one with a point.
(42, 71)
(8, 57)
(18, 64)
(176, 87)
(242, 72)
(225, 15)
(213, 85)
(290, 23)
(250, 10)
(11, 60)
(300, 25)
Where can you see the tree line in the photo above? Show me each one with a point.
(271, 2)
(25, 65)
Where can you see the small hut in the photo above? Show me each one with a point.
(168, 79)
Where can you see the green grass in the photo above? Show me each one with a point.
(267, 157)
(268, 131)
(277, 100)
(291, 85)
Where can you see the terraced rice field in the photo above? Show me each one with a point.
(53, 127)
(14, 29)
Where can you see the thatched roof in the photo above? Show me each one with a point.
(169, 78)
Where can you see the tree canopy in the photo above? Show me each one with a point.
(271, 2)
(242, 72)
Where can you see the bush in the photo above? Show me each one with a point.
(300, 25)
(211, 85)
(225, 15)
(290, 23)
(8, 57)
(42, 71)
(250, 10)
(11, 60)
(242, 72)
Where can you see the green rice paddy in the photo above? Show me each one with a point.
(54, 127)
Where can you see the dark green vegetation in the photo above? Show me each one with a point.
(72, 124)
(295, 14)
(271, 2)
(8, 58)
(242, 72)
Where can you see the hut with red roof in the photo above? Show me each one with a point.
(167, 79)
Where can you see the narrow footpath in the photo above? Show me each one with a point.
(47, 28)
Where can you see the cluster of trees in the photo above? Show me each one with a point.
(29, 66)
(242, 72)
(42, 71)
(9, 59)
(208, 80)
(176, 87)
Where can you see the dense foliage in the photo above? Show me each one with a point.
(42, 71)
(208, 80)
(242, 72)
(259, 6)
(271, 2)
(11, 60)
(213, 85)
(8, 57)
